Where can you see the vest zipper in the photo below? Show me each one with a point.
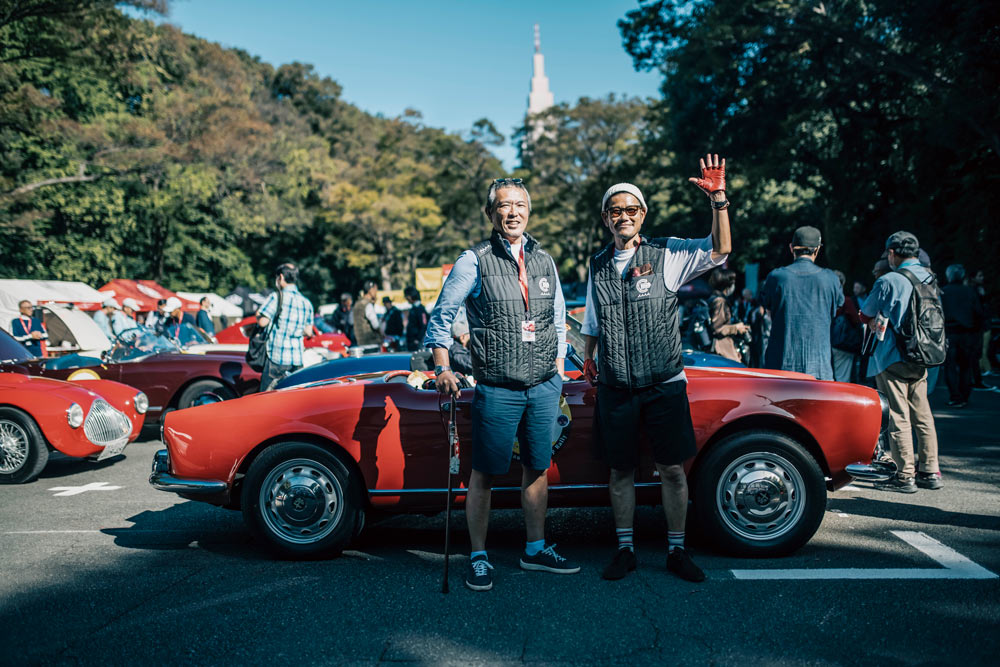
(628, 362)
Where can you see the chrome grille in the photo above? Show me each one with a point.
(105, 425)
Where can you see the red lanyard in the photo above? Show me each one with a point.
(27, 327)
(522, 277)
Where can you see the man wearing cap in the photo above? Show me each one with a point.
(392, 321)
(517, 327)
(903, 383)
(366, 324)
(124, 319)
(803, 299)
(104, 316)
(631, 320)
(292, 317)
(27, 329)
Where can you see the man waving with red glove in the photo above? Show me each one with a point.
(632, 321)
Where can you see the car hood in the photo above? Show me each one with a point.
(49, 386)
(719, 371)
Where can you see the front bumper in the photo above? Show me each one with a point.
(162, 480)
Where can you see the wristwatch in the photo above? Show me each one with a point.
(720, 205)
(441, 369)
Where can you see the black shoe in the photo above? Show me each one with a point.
(623, 563)
(954, 402)
(899, 484)
(547, 560)
(929, 480)
(480, 575)
(679, 562)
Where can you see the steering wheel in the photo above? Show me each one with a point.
(126, 344)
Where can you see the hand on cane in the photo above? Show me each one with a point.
(590, 371)
(447, 383)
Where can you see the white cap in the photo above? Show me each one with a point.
(131, 303)
(111, 303)
(623, 187)
(173, 303)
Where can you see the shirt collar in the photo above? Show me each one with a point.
(909, 261)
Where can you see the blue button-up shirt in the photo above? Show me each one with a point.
(464, 282)
(890, 296)
(284, 342)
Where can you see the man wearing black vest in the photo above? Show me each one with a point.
(517, 326)
(631, 320)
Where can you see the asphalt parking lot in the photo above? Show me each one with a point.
(99, 568)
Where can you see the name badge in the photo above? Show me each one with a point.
(528, 331)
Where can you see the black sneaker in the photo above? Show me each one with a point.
(929, 480)
(679, 562)
(480, 576)
(623, 563)
(899, 484)
(547, 560)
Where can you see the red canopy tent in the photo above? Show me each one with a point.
(146, 292)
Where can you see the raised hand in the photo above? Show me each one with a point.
(713, 175)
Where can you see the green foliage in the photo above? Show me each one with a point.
(860, 117)
(128, 149)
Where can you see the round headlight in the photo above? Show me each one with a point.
(74, 415)
(141, 403)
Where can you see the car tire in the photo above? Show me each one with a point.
(24, 451)
(302, 501)
(202, 388)
(759, 494)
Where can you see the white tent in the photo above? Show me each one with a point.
(219, 305)
(41, 292)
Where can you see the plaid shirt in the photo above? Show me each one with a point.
(284, 342)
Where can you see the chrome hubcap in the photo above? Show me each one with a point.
(301, 501)
(761, 496)
(13, 446)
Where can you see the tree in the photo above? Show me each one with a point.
(851, 115)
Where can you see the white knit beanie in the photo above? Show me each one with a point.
(623, 187)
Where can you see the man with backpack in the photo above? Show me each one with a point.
(904, 309)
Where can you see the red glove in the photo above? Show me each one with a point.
(713, 175)
(590, 371)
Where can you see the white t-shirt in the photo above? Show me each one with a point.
(684, 260)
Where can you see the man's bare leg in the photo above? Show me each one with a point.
(477, 508)
(535, 502)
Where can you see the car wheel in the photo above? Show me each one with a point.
(302, 501)
(204, 392)
(23, 452)
(759, 493)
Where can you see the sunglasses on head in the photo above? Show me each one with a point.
(507, 181)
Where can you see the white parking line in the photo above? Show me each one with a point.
(955, 566)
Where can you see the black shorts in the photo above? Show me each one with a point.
(661, 412)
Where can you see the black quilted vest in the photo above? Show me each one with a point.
(639, 343)
(499, 356)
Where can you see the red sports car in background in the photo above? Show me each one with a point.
(334, 342)
(306, 463)
(92, 418)
(172, 378)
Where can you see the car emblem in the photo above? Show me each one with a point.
(643, 285)
(543, 284)
(762, 498)
(299, 504)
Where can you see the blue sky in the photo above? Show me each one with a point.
(455, 62)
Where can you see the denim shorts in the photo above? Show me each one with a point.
(500, 415)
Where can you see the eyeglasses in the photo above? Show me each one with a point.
(507, 181)
(616, 211)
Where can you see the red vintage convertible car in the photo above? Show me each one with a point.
(89, 418)
(172, 377)
(237, 334)
(306, 463)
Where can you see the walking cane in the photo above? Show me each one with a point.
(453, 465)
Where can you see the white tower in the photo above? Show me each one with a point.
(540, 98)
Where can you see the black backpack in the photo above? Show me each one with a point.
(921, 337)
(256, 355)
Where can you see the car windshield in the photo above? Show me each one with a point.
(11, 350)
(133, 344)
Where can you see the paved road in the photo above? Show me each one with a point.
(122, 572)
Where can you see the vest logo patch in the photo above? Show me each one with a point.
(643, 286)
(543, 284)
